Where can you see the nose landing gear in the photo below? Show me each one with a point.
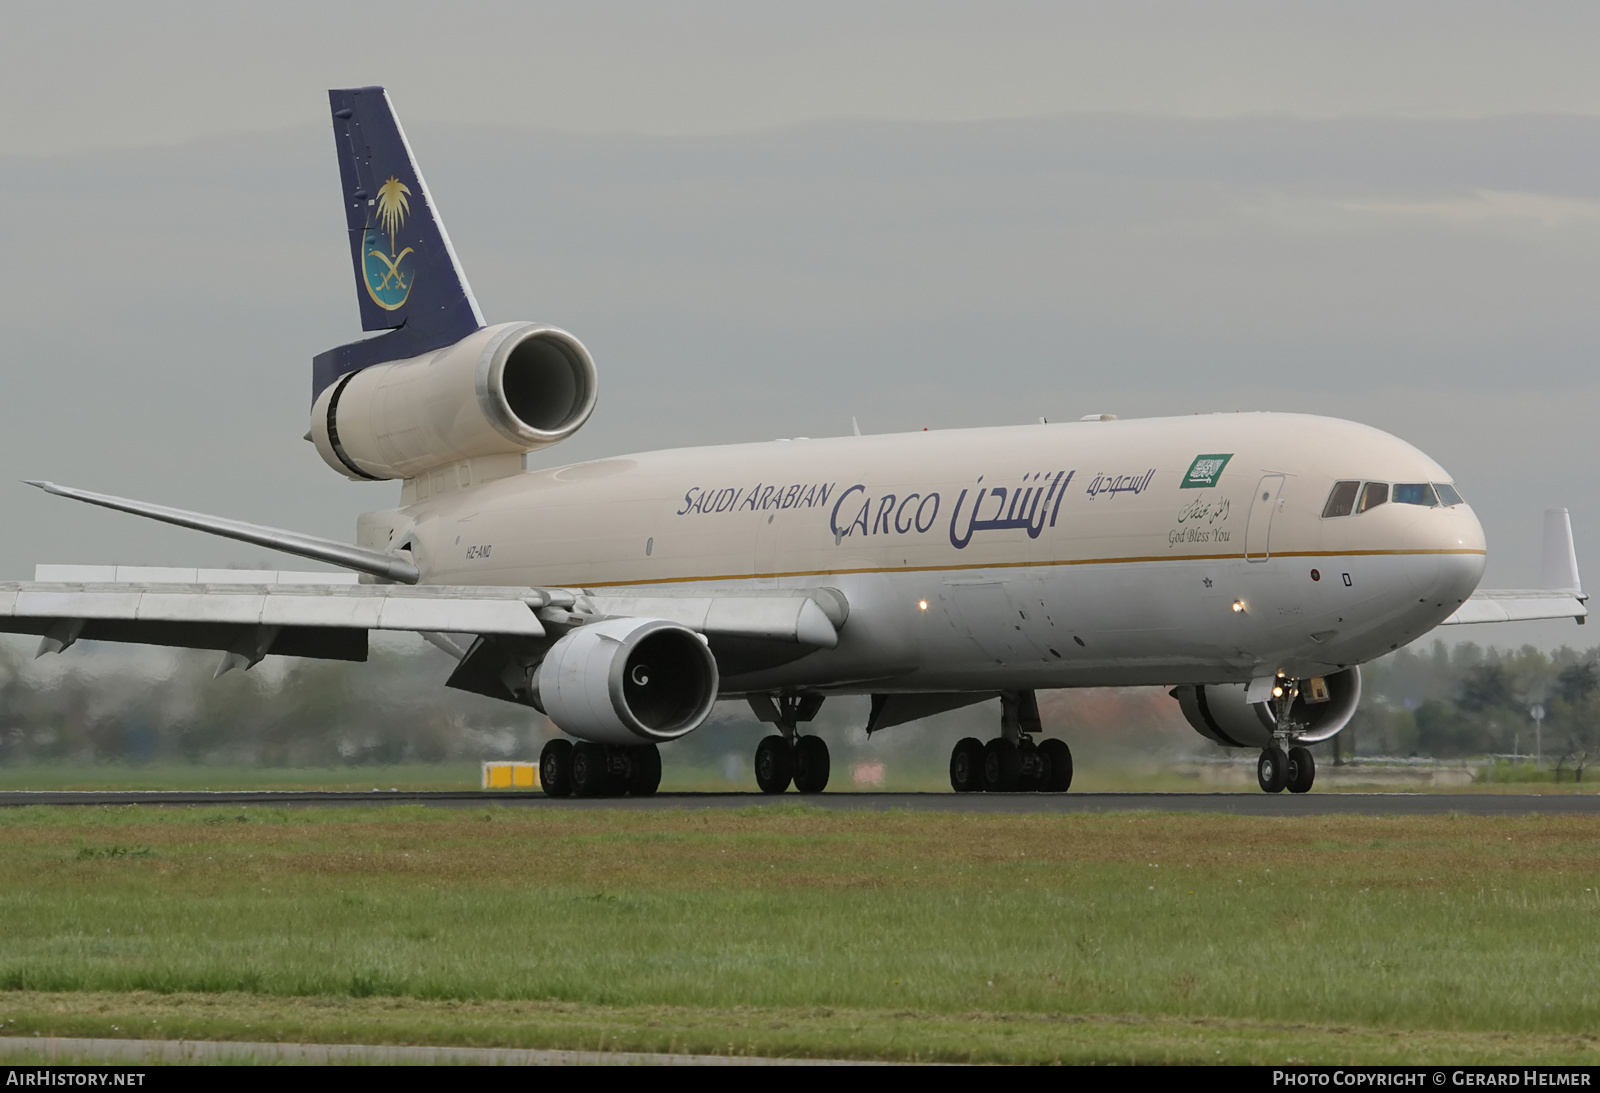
(1278, 769)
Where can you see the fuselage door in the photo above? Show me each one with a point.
(1258, 533)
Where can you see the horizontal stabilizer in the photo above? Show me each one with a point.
(1518, 605)
(345, 555)
(1562, 596)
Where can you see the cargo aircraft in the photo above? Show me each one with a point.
(1251, 562)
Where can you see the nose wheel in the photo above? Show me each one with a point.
(1293, 770)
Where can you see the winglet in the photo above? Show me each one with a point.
(1560, 568)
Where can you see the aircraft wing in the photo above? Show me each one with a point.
(1562, 596)
(251, 614)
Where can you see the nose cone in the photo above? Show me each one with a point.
(1455, 539)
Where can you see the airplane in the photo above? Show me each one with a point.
(1250, 562)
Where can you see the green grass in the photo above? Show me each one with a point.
(802, 931)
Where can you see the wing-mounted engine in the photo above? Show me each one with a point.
(629, 681)
(1220, 711)
(504, 390)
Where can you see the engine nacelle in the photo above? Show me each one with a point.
(505, 389)
(1219, 712)
(629, 681)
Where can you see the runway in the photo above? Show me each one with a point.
(1238, 804)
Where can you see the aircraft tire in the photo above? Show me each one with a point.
(774, 764)
(811, 764)
(966, 766)
(1302, 770)
(590, 774)
(645, 773)
(1272, 770)
(1033, 776)
(1002, 766)
(1058, 765)
(555, 768)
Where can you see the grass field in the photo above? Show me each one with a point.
(792, 930)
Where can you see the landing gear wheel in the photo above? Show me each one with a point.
(810, 764)
(1302, 770)
(1002, 766)
(774, 764)
(1032, 776)
(555, 768)
(590, 774)
(1272, 770)
(1057, 765)
(644, 775)
(966, 766)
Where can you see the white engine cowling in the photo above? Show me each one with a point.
(1219, 712)
(505, 389)
(629, 681)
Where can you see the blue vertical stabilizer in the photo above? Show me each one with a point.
(408, 280)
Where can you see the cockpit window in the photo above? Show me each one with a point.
(1414, 493)
(1342, 501)
(1374, 495)
(1447, 494)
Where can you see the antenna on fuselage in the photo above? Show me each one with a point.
(855, 425)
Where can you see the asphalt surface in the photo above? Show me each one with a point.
(1239, 804)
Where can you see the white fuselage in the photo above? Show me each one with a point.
(1081, 554)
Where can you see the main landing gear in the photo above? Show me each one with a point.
(1012, 762)
(585, 769)
(787, 757)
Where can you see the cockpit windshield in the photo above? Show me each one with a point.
(1342, 501)
(1355, 497)
(1415, 493)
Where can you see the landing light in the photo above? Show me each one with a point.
(1277, 692)
(1238, 605)
(923, 604)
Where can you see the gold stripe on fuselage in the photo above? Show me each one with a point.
(1024, 565)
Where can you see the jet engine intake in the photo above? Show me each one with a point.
(629, 681)
(1219, 712)
(507, 389)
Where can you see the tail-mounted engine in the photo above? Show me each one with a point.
(1322, 707)
(505, 389)
(628, 681)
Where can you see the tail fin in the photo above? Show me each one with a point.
(408, 280)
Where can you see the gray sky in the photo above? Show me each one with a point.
(764, 219)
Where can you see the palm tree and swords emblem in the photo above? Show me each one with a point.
(388, 275)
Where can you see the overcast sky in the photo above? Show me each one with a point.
(764, 219)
